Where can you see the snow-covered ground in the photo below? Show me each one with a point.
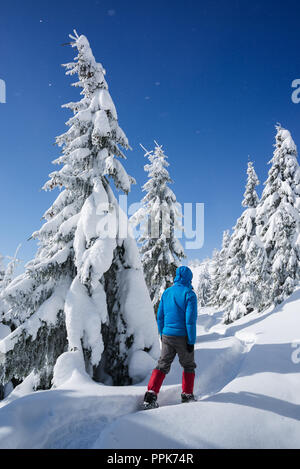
(248, 386)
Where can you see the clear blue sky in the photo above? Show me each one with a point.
(207, 79)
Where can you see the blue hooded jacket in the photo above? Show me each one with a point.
(177, 311)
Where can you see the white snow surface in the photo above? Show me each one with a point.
(247, 383)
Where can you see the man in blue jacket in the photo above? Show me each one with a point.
(176, 320)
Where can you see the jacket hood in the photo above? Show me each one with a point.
(184, 275)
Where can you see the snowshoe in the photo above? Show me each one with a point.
(187, 397)
(150, 401)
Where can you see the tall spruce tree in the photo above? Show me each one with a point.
(84, 292)
(279, 221)
(244, 273)
(159, 217)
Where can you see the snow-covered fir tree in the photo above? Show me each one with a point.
(251, 198)
(218, 264)
(242, 290)
(214, 276)
(222, 267)
(6, 274)
(279, 221)
(7, 270)
(160, 218)
(204, 285)
(83, 299)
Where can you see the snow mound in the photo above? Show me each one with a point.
(140, 365)
(66, 365)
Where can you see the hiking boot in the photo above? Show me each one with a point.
(187, 397)
(150, 400)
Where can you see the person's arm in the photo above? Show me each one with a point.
(191, 317)
(160, 317)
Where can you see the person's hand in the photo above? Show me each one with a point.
(190, 348)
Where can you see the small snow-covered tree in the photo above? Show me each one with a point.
(215, 277)
(244, 273)
(6, 274)
(159, 217)
(218, 265)
(7, 270)
(251, 198)
(204, 285)
(222, 273)
(279, 221)
(84, 293)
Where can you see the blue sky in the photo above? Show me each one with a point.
(207, 79)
